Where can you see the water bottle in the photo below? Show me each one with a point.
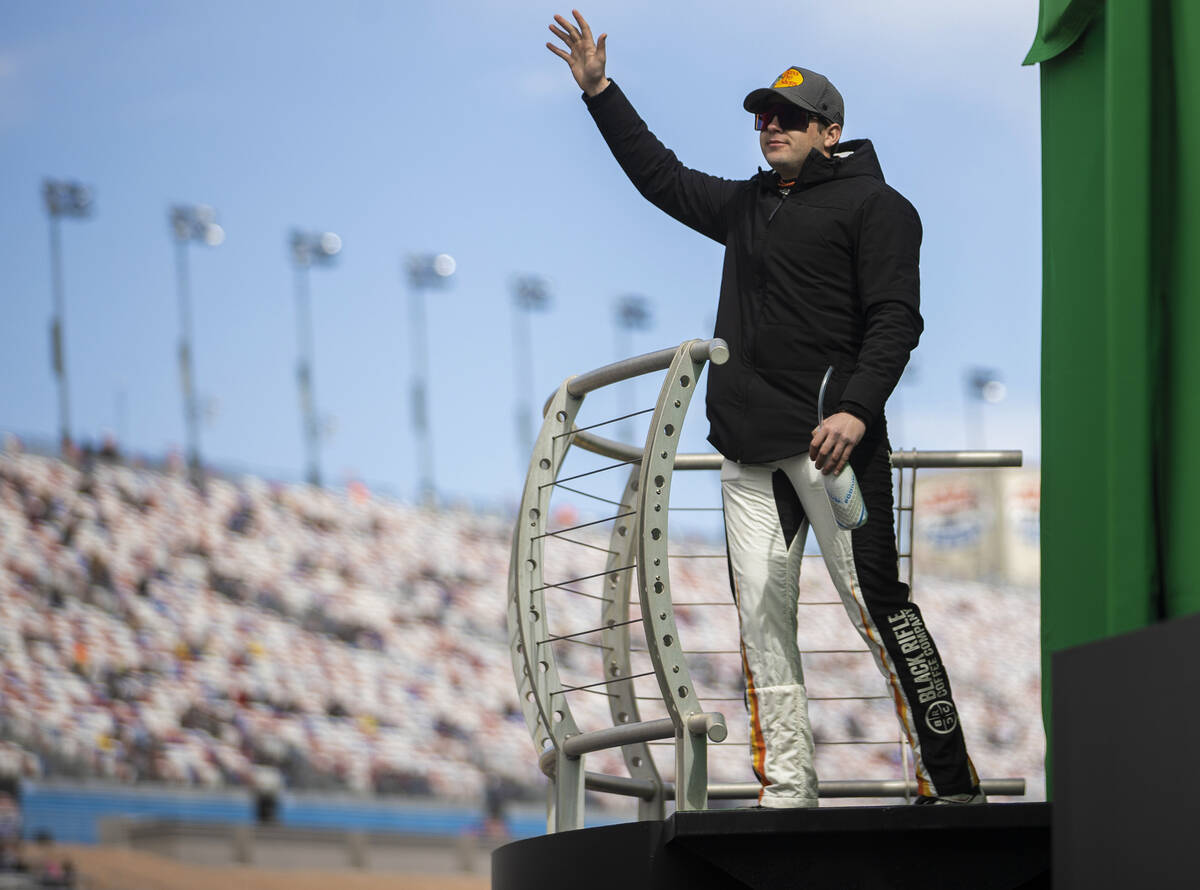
(845, 494)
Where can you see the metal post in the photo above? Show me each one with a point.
(122, 418)
(523, 368)
(420, 351)
(304, 373)
(973, 418)
(62, 199)
(57, 350)
(191, 418)
(691, 770)
(425, 272)
(308, 248)
(568, 792)
(624, 349)
(983, 385)
(190, 223)
(633, 313)
(529, 294)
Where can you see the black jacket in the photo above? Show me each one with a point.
(827, 275)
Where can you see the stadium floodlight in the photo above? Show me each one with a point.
(530, 294)
(307, 249)
(190, 222)
(984, 385)
(426, 271)
(70, 199)
(633, 314)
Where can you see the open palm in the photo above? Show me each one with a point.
(585, 57)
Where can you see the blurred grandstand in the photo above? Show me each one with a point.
(256, 633)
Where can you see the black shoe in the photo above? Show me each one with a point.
(975, 795)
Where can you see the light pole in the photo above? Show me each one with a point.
(71, 199)
(983, 385)
(309, 248)
(633, 314)
(190, 223)
(425, 271)
(530, 294)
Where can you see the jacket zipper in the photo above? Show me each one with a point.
(751, 334)
(782, 198)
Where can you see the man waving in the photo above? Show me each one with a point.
(821, 269)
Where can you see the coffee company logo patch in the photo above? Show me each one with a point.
(789, 78)
(941, 717)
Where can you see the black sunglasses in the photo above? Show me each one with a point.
(790, 117)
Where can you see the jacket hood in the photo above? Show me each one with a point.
(855, 157)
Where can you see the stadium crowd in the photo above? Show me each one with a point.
(337, 640)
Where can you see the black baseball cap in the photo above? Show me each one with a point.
(800, 87)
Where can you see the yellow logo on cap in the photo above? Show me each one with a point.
(789, 78)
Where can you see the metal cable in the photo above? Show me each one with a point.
(594, 497)
(580, 633)
(579, 643)
(557, 532)
(603, 683)
(592, 596)
(624, 463)
(560, 584)
(580, 429)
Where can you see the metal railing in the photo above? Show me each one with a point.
(638, 543)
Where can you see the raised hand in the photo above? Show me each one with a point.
(586, 56)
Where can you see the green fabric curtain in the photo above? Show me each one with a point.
(1120, 89)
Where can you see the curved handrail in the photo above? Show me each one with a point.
(654, 579)
(955, 459)
(907, 459)
(547, 713)
(614, 614)
(715, 351)
(639, 541)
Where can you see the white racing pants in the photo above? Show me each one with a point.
(768, 511)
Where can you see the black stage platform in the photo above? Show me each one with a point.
(979, 847)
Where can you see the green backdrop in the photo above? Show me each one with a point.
(1120, 90)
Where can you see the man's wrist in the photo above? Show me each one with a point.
(599, 88)
(856, 411)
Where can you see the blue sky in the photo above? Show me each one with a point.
(421, 126)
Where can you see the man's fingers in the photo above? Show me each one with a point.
(832, 443)
(829, 462)
(568, 27)
(583, 25)
(561, 35)
(832, 454)
(844, 458)
(838, 460)
(600, 44)
(562, 54)
(818, 439)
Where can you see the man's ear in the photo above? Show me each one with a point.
(832, 134)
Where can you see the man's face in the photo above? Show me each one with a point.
(787, 147)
